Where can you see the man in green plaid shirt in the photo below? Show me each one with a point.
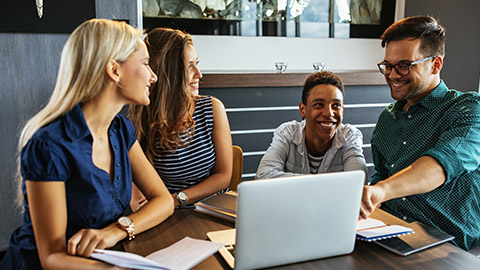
(426, 145)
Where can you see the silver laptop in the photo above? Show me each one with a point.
(293, 219)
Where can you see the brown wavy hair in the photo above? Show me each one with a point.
(168, 119)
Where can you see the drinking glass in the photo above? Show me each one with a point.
(318, 66)
(281, 66)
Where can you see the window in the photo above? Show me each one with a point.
(287, 18)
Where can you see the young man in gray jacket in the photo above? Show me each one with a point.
(320, 143)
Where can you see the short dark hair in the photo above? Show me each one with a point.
(322, 77)
(426, 28)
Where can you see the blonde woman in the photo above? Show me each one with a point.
(79, 156)
(185, 135)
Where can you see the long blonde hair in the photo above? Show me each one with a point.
(168, 120)
(82, 72)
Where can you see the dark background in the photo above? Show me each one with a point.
(59, 16)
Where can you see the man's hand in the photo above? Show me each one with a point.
(424, 175)
(372, 197)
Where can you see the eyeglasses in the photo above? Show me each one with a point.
(401, 68)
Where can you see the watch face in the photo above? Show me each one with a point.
(182, 196)
(125, 221)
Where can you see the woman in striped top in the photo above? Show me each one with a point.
(186, 136)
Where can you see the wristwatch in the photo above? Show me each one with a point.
(126, 224)
(182, 198)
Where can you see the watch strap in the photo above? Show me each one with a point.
(182, 198)
(130, 229)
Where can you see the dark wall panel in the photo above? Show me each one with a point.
(367, 134)
(360, 94)
(357, 116)
(256, 97)
(461, 69)
(253, 142)
(29, 66)
(369, 102)
(291, 96)
(261, 119)
(250, 164)
(273, 119)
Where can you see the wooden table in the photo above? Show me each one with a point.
(366, 255)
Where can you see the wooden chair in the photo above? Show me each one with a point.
(237, 167)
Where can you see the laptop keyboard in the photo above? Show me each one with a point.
(231, 249)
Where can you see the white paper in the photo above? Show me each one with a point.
(369, 223)
(182, 255)
(125, 259)
(185, 254)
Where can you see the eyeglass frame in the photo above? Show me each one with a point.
(409, 65)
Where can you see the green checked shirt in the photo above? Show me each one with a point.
(446, 126)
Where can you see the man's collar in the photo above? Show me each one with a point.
(430, 101)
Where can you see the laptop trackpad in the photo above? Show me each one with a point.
(226, 237)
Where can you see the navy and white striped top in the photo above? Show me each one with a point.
(190, 165)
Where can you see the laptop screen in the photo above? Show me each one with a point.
(292, 219)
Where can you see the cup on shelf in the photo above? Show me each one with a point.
(318, 66)
(281, 66)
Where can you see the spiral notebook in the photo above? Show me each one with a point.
(372, 230)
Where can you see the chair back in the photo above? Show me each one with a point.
(237, 167)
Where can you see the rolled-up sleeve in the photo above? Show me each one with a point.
(458, 149)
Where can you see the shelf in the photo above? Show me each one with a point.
(241, 79)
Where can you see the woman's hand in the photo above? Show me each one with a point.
(86, 240)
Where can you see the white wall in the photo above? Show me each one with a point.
(228, 53)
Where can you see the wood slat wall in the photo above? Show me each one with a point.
(269, 79)
(275, 100)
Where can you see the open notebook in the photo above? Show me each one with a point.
(293, 219)
(373, 230)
